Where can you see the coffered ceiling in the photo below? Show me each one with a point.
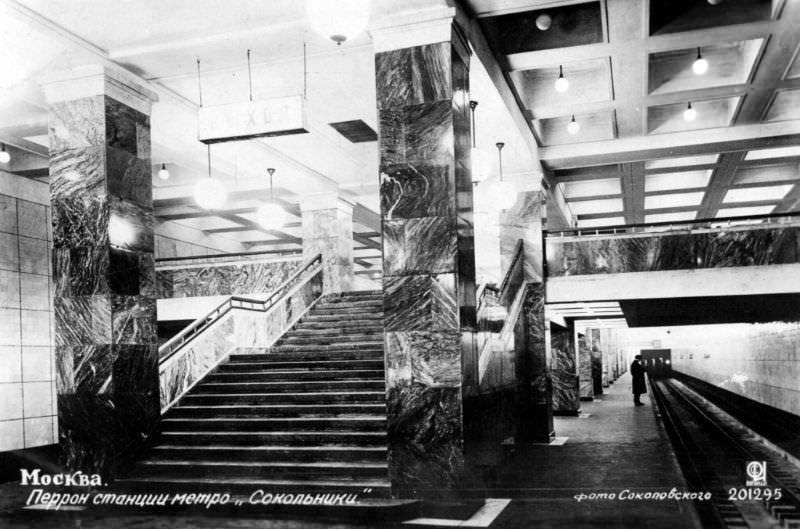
(629, 65)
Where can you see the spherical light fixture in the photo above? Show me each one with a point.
(210, 193)
(690, 113)
(700, 65)
(562, 84)
(5, 157)
(544, 21)
(163, 173)
(271, 215)
(339, 20)
(573, 127)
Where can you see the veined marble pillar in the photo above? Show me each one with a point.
(585, 365)
(103, 267)
(596, 344)
(564, 369)
(328, 230)
(524, 221)
(428, 254)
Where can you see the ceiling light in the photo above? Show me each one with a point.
(573, 127)
(544, 21)
(715, 2)
(503, 194)
(700, 65)
(339, 21)
(690, 113)
(210, 193)
(271, 215)
(562, 84)
(163, 173)
(5, 157)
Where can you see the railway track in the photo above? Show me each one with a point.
(714, 450)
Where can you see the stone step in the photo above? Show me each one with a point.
(283, 386)
(308, 454)
(364, 488)
(319, 397)
(321, 339)
(283, 438)
(332, 347)
(306, 411)
(342, 318)
(292, 375)
(352, 423)
(350, 304)
(309, 354)
(357, 313)
(342, 331)
(369, 325)
(335, 363)
(349, 470)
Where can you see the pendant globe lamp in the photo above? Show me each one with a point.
(271, 215)
(503, 193)
(210, 193)
(339, 20)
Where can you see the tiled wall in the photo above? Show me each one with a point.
(27, 403)
(757, 361)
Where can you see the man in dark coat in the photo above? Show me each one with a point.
(639, 385)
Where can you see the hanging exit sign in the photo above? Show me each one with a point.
(252, 119)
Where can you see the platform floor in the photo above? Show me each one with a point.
(613, 446)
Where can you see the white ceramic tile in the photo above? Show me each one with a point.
(9, 327)
(36, 364)
(10, 401)
(34, 258)
(8, 214)
(32, 219)
(9, 252)
(9, 289)
(38, 399)
(35, 292)
(10, 363)
(39, 431)
(35, 327)
(11, 435)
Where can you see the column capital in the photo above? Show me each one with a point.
(417, 28)
(96, 79)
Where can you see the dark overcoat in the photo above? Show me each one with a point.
(637, 374)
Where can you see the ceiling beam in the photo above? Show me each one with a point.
(237, 229)
(255, 226)
(791, 202)
(632, 182)
(721, 180)
(675, 144)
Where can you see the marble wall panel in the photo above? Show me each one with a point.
(78, 173)
(133, 320)
(80, 221)
(81, 270)
(128, 177)
(422, 245)
(597, 360)
(417, 190)
(329, 232)
(420, 302)
(564, 370)
(413, 75)
(585, 367)
(674, 251)
(223, 280)
(77, 124)
(83, 320)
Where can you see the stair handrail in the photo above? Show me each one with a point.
(513, 267)
(171, 347)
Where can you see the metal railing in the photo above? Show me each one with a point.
(174, 344)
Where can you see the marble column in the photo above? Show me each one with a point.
(103, 268)
(596, 343)
(328, 231)
(428, 252)
(564, 369)
(523, 221)
(585, 366)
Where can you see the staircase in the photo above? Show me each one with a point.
(306, 415)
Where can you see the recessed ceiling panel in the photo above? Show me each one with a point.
(673, 16)
(605, 221)
(572, 25)
(744, 212)
(728, 64)
(589, 188)
(588, 82)
(591, 127)
(673, 200)
(751, 194)
(678, 180)
(785, 106)
(765, 174)
(708, 114)
(703, 159)
(680, 216)
(776, 152)
(588, 207)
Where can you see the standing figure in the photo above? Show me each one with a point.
(639, 385)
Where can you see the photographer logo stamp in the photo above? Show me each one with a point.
(756, 473)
